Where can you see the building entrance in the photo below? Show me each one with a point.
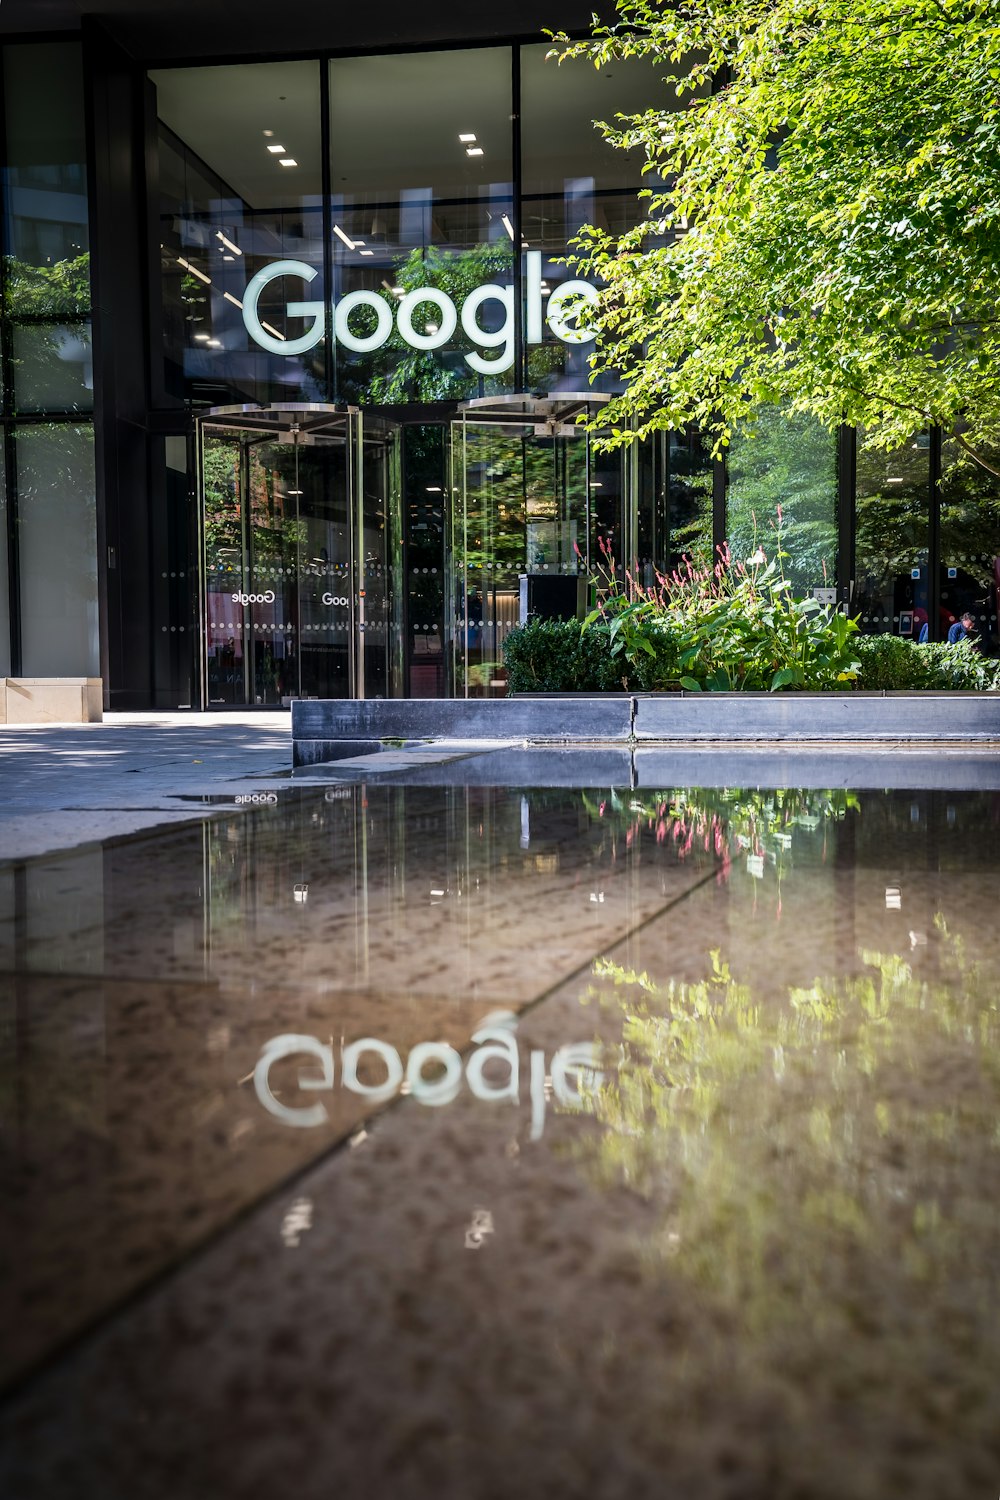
(533, 509)
(300, 545)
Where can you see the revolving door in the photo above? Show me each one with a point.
(534, 510)
(300, 551)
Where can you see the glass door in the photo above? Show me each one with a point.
(300, 508)
(520, 532)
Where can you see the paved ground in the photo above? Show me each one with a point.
(66, 784)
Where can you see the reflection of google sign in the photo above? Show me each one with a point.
(245, 599)
(425, 318)
(335, 599)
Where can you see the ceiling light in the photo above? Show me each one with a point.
(467, 137)
(276, 150)
(342, 236)
(194, 270)
(228, 257)
(215, 343)
(228, 243)
(433, 489)
(234, 300)
(505, 221)
(360, 242)
(272, 330)
(895, 481)
(202, 338)
(288, 161)
(295, 492)
(368, 252)
(473, 150)
(267, 132)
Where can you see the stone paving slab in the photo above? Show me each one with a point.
(65, 785)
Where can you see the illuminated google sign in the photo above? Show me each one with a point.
(561, 314)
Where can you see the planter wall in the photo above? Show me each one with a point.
(332, 729)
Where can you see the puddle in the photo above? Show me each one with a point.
(657, 1127)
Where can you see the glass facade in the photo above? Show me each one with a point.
(892, 539)
(785, 462)
(49, 549)
(384, 235)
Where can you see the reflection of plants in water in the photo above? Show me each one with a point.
(723, 822)
(825, 1165)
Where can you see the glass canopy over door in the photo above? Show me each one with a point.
(300, 524)
(527, 516)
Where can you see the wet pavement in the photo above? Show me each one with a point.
(451, 1139)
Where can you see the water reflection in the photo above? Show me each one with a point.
(819, 1164)
(180, 1033)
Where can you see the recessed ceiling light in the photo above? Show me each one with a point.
(202, 337)
(469, 135)
(229, 257)
(288, 161)
(267, 132)
(368, 252)
(276, 150)
(342, 236)
(215, 343)
(473, 150)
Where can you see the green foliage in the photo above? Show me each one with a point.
(736, 627)
(824, 227)
(551, 656)
(895, 663)
(403, 374)
(58, 291)
(786, 459)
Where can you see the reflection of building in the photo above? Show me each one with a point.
(357, 227)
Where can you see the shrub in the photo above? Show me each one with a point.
(892, 662)
(552, 656)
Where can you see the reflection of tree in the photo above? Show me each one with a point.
(399, 373)
(970, 516)
(821, 1173)
(54, 302)
(891, 520)
(274, 534)
(58, 291)
(785, 460)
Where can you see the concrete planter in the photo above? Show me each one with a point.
(51, 700)
(325, 730)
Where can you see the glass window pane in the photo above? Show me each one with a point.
(422, 174)
(786, 460)
(46, 180)
(891, 594)
(970, 542)
(571, 177)
(674, 473)
(4, 579)
(57, 544)
(240, 190)
(53, 367)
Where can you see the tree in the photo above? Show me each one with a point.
(824, 228)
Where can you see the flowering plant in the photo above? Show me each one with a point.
(735, 626)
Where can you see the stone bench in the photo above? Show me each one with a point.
(51, 700)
